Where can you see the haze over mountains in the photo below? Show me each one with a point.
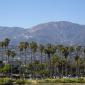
(61, 32)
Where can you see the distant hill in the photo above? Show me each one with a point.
(61, 32)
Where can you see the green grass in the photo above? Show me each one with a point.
(20, 81)
(8, 81)
(63, 80)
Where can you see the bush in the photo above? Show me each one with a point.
(81, 80)
(20, 81)
(5, 81)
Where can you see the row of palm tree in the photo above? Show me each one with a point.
(58, 59)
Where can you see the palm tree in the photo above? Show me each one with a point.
(33, 47)
(62, 63)
(65, 52)
(6, 42)
(55, 64)
(23, 48)
(78, 48)
(84, 59)
(25, 45)
(2, 50)
(8, 53)
(77, 60)
(50, 50)
(71, 50)
(13, 54)
(41, 47)
(20, 50)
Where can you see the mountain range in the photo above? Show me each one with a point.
(59, 32)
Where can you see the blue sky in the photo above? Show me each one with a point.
(27, 13)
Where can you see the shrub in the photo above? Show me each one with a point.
(5, 81)
(81, 80)
(20, 81)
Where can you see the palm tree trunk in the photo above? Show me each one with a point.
(55, 70)
(31, 56)
(77, 69)
(11, 71)
(41, 58)
(66, 68)
(62, 70)
(49, 65)
(2, 51)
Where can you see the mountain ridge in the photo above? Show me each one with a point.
(59, 32)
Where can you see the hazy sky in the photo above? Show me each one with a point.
(26, 13)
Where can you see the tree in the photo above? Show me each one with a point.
(13, 54)
(8, 53)
(23, 47)
(6, 42)
(2, 48)
(6, 69)
(77, 60)
(65, 51)
(33, 47)
(50, 50)
(41, 47)
(62, 63)
(55, 64)
(84, 59)
(71, 51)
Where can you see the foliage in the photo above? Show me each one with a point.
(6, 81)
(6, 68)
(20, 81)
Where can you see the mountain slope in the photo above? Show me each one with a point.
(61, 32)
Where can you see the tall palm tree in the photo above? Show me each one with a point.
(55, 64)
(71, 50)
(65, 52)
(84, 59)
(25, 45)
(78, 48)
(77, 60)
(2, 50)
(41, 47)
(33, 47)
(13, 54)
(50, 50)
(6, 42)
(8, 53)
(20, 50)
(23, 48)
